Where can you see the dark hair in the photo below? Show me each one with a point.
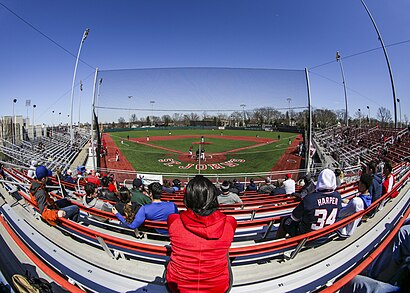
(372, 166)
(125, 196)
(104, 181)
(176, 182)
(388, 166)
(89, 188)
(367, 180)
(155, 189)
(129, 213)
(338, 172)
(201, 196)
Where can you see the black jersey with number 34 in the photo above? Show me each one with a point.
(317, 210)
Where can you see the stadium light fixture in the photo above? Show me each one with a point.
(85, 35)
(339, 60)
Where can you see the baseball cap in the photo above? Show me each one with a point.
(69, 172)
(288, 176)
(42, 172)
(326, 180)
(137, 182)
(225, 186)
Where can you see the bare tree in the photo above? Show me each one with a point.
(384, 115)
(166, 119)
(406, 119)
(121, 122)
(133, 118)
(324, 117)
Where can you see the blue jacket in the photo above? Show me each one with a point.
(376, 188)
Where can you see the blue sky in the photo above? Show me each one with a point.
(239, 34)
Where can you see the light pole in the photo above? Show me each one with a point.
(13, 124)
(398, 101)
(368, 109)
(243, 110)
(289, 99)
(129, 112)
(152, 111)
(59, 116)
(79, 103)
(28, 104)
(52, 122)
(360, 118)
(34, 126)
(387, 61)
(339, 60)
(85, 34)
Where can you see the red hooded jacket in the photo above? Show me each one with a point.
(199, 257)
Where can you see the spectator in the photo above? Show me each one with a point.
(376, 188)
(339, 177)
(68, 177)
(50, 210)
(32, 169)
(308, 187)
(227, 197)
(316, 210)
(388, 181)
(105, 192)
(239, 186)
(112, 184)
(289, 184)
(176, 184)
(252, 186)
(124, 200)
(280, 189)
(200, 240)
(267, 187)
(138, 196)
(155, 211)
(90, 200)
(167, 188)
(356, 204)
(92, 178)
(390, 271)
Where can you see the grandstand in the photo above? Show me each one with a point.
(85, 255)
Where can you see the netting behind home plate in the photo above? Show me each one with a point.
(186, 95)
(201, 97)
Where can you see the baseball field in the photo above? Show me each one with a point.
(210, 151)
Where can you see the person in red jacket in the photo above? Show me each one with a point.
(200, 239)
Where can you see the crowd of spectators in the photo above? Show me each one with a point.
(201, 235)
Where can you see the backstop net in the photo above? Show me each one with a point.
(130, 104)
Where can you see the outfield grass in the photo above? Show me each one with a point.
(258, 159)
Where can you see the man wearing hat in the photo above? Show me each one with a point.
(137, 194)
(227, 197)
(289, 184)
(50, 210)
(316, 210)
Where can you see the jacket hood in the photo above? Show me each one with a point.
(207, 227)
(378, 178)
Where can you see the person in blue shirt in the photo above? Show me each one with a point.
(155, 211)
